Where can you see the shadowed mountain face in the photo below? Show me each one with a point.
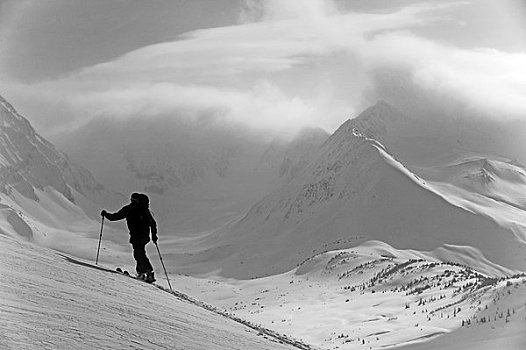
(354, 191)
(298, 154)
(28, 161)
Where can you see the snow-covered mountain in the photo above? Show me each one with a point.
(29, 162)
(44, 197)
(355, 191)
(432, 140)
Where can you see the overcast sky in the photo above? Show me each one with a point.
(272, 65)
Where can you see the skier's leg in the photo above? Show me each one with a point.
(139, 254)
(144, 267)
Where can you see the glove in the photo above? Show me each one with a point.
(103, 213)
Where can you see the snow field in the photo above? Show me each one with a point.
(48, 302)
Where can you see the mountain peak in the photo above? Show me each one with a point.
(10, 117)
(373, 122)
(352, 191)
(311, 133)
(381, 106)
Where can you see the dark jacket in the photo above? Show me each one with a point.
(139, 221)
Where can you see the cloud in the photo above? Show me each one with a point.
(229, 69)
(263, 107)
(265, 104)
(251, 73)
(486, 80)
(288, 34)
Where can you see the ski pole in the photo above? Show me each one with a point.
(166, 273)
(100, 239)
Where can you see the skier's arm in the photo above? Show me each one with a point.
(121, 214)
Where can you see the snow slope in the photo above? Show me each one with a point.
(48, 301)
(355, 191)
(369, 297)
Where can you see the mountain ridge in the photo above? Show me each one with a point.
(354, 191)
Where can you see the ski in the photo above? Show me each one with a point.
(124, 272)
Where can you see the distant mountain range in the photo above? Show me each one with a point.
(198, 178)
(199, 175)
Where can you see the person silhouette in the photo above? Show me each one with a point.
(140, 223)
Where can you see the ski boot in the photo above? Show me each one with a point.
(150, 278)
(146, 277)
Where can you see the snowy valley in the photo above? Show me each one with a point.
(375, 296)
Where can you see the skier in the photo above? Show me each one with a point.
(140, 221)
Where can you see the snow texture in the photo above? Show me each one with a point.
(48, 301)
